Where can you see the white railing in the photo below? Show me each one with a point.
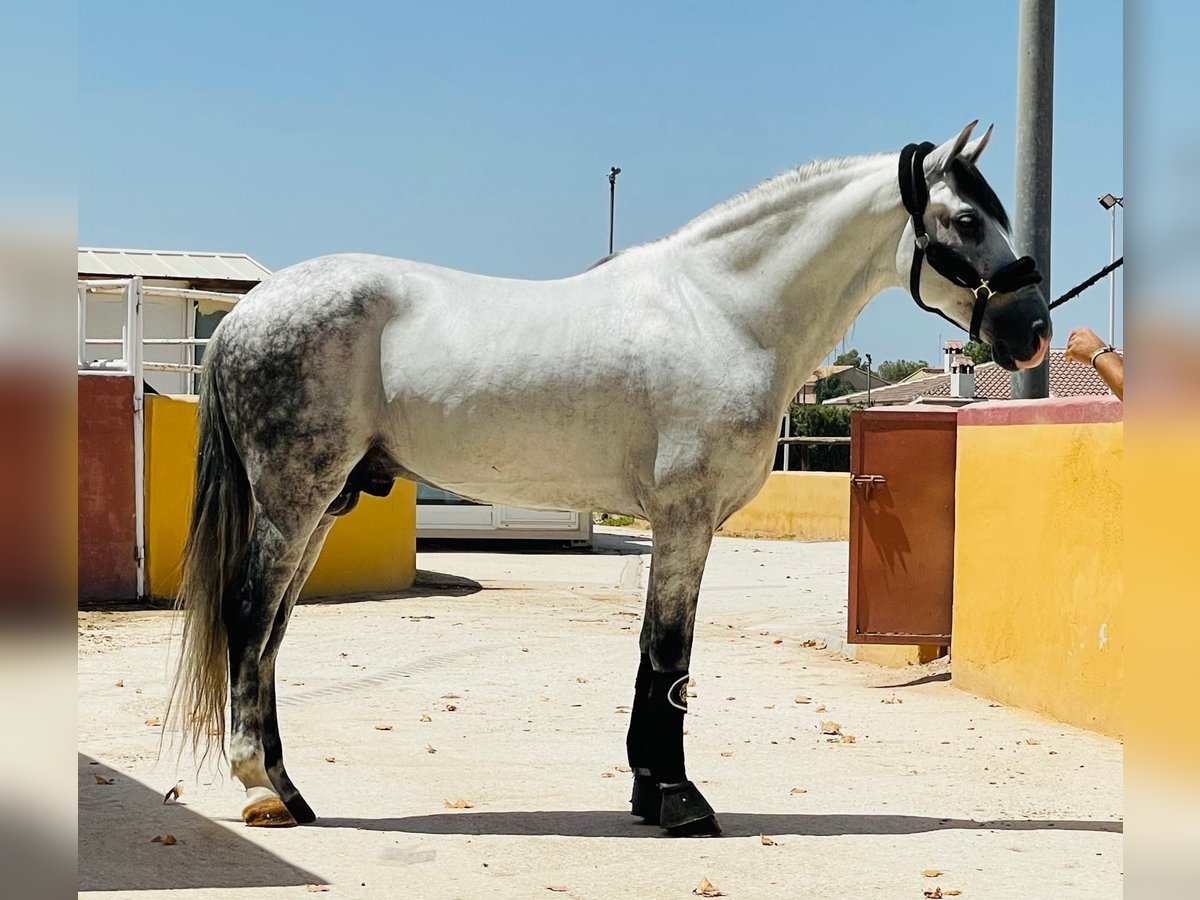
(118, 289)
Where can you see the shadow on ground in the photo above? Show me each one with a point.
(118, 822)
(606, 823)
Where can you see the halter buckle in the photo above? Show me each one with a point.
(983, 286)
(922, 242)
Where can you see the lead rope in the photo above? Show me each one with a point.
(1083, 286)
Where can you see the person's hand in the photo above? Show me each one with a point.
(1082, 343)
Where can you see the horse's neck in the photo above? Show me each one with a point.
(798, 258)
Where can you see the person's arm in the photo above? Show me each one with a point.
(1084, 346)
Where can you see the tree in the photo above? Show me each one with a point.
(823, 421)
(832, 386)
(978, 351)
(849, 358)
(898, 369)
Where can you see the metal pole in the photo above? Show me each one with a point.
(868, 356)
(613, 172)
(133, 357)
(1035, 134)
(1112, 279)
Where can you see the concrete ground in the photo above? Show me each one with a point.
(504, 680)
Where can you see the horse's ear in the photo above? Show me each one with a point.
(938, 161)
(975, 148)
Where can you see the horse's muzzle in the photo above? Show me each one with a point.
(1038, 355)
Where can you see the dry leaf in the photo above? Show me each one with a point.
(581, 680)
(451, 697)
(816, 644)
(165, 839)
(931, 873)
(800, 698)
(331, 759)
(951, 893)
(460, 803)
(318, 888)
(119, 683)
(798, 791)
(450, 707)
(707, 889)
(831, 728)
(153, 721)
(777, 641)
(820, 708)
(100, 779)
(174, 793)
(557, 888)
(727, 753)
(891, 699)
(383, 727)
(934, 893)
(429, 748)
(731, 698)
(766, 841)
(607, 775)
(1033, 742)
(425, 717)
(848, 739)
(624, 769)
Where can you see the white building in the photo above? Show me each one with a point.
(185, 295)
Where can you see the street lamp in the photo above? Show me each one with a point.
(1109, 202)
(613, 172)
(868, 356)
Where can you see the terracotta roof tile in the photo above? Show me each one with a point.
(1067, 379)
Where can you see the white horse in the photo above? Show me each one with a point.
(651, 385)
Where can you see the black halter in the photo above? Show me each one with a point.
(948, 261)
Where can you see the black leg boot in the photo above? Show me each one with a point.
(646, 799)
(683, 811)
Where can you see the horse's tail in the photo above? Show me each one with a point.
(218, 534)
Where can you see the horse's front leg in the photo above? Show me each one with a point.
(662, 793)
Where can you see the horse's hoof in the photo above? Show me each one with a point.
(300, 810)
(706, 827)
(267, 812)
(646, 800)
(685, 812)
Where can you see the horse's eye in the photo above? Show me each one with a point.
(968, 221)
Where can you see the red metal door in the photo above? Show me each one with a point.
(107, 532)
(902, 525)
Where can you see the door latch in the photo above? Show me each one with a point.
(867, 482)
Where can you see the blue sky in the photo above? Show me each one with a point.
(479, 137)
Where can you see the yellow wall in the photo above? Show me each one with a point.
(1038, 569)
(370, 551)
(803, 506)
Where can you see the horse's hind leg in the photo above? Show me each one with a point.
(300, 811)
(290, 503)
(662, 792)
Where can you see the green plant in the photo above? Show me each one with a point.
(607, 519)
(823, 421)
(830, 387)
(898, 369)
(978, 351)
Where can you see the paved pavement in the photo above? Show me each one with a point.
(503, 681)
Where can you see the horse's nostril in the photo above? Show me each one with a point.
(1039, 327)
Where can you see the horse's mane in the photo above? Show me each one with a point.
(969, 180)
(779, 185)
